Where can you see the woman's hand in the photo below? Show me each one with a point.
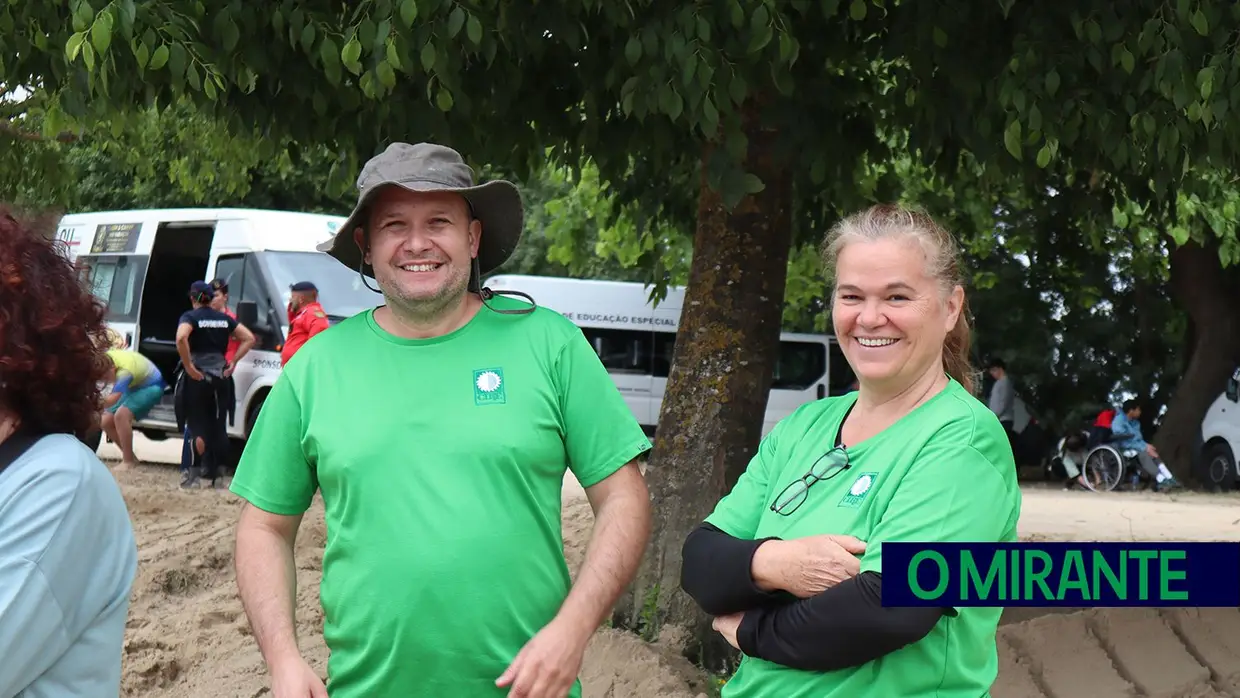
(805, 567)
(727, 627)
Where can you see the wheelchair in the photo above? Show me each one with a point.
(1106, 464)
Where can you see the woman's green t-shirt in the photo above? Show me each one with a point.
(943, 473)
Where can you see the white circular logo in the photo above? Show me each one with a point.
(488, 381)
(861, 486)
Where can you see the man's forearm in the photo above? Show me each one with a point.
(621, 530)
(183, 352)
(267, 583)
(242, 349)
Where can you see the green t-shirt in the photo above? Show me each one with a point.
(440, 463)
(943, 473)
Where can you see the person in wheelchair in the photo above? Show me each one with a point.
(1126, 435)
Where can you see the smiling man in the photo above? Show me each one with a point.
(438, 428)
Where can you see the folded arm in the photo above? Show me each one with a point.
(717, 572)
(844, 626)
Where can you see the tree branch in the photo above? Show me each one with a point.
(11, 130)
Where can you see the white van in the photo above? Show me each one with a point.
(1220, 438)
(141, 264)
(634, 339)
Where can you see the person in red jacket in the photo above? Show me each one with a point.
(306, 318)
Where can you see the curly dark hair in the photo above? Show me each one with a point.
(54, 339)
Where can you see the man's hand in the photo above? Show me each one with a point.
(1149, 448)
(728, 625)
(805, 567)
(549, 663)
(228, 370)
(193, 372)
(294, 678)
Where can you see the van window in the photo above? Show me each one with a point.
(842, 374)
(621, 351)
(117, 281)
(800, 365)
(230, 269)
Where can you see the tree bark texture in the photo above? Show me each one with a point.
(1207, 292)
(722, 368)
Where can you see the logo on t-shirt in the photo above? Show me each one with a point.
(489, 386)
(860, 488)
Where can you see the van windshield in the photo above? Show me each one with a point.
(117, 281)
(341, 291)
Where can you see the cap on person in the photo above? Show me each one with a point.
(219, 285)
(199, 288)
(303, 286)
(427, 167)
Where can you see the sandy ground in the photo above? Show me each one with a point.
(189, 637)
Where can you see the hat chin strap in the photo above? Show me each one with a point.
(485, 293)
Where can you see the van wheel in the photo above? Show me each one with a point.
(1219, 467)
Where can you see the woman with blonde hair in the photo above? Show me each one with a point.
(790, 561)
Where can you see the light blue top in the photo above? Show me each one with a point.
(67, 564)
(1126, 432)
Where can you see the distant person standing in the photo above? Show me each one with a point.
(202, 341)
(306, 318)
(219, 301)
(1003, 398)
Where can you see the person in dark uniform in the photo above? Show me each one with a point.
(202, 342)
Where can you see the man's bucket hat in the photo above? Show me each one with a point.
(428, 167)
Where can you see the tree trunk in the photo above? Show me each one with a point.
(713, 409)
(1206, 291)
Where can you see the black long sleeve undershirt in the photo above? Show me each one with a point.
(843, 626)
(716, 572)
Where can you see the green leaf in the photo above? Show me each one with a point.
(208, 87)
(330, 55)
(710, 118)
(142, 55)
(1205, 81)
(444, 99)
(830, 7)
(752, 184)
(351, 54)
(738, 89)
(633, 50)
(387, 76)
(857, 10)
(1011, 138)
(428, 56)
(1179, 233)
(191, 76)
(232, 35)
(456, 20)
(1052, 82)
(1044, 156)
(74, 45)
(88, 56)
(176, 60)
(671, 102)
(409, 12)
(101, 32)
(940, 38)
(307, 36)
(1199, 22)
(473, 29)
(1127, 61)
(159, 57)
(393, 56)
(1035, 118)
